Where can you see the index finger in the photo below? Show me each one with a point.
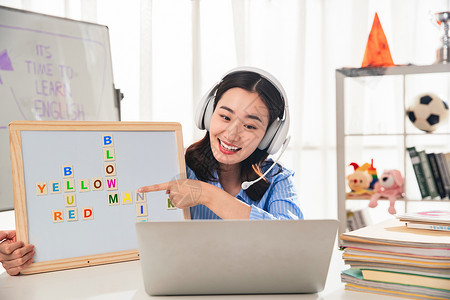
(154, 188)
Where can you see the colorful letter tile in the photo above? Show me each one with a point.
(41, 188)
(141, 209)
(57, 216)
(71, 214)
(97, 183)
(127, 197)
(111, 184)
(140, 197)
(140, 219)
(170, 204)
(107, 140)
(108, 154)
(67, 171)
(113, 198)
(69, 185)
(83, 185)
(55, 187)
(110, 169)
(70, 200)
(88, 213)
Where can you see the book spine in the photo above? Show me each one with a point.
(359, 218)
(447, 160)
(428, 174)
(415, 160)
(444, 172)
(358, 225)
(351, 222)
(440, 227)
(436, 175)
(366, 216)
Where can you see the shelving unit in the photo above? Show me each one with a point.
(371, 123)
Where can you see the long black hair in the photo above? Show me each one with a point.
(199, 156)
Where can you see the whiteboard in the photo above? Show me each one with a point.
(51, 69)
(138, 154)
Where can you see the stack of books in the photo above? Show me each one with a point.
(432, 172)
(431, 220)
(390, 259)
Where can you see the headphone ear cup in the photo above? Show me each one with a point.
(270, 134)
(209, 110)
(205, 109)
(279, 138)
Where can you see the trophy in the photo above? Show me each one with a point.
(443, 53)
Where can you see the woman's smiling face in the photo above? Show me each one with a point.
(237, 126)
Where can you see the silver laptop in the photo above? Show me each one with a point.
(235, 256)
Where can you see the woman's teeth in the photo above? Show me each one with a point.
(229, 148)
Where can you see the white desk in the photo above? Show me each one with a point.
(124, 281)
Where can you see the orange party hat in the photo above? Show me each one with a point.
(377, 52)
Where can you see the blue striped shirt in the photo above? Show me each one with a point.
(280, 201)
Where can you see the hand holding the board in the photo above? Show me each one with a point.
(14, 256)
(183, 193)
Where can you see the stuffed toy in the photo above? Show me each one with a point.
(390, 186)
(360, 180)
(370, 170)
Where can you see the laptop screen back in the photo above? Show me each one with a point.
(235, 256)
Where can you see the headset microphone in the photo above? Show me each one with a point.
(246, 184)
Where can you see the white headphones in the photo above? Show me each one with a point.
(276, 133)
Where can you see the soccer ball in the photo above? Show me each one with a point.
(427, 112)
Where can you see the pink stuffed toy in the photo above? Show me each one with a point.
(390, 186)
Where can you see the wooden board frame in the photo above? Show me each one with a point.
(20, 204)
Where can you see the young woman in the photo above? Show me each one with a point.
(246, 118)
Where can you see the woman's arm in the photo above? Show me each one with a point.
(224, 205)
(185, 193)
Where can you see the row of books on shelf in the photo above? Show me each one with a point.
(390, 258)
(358, 218)
(432, 172)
